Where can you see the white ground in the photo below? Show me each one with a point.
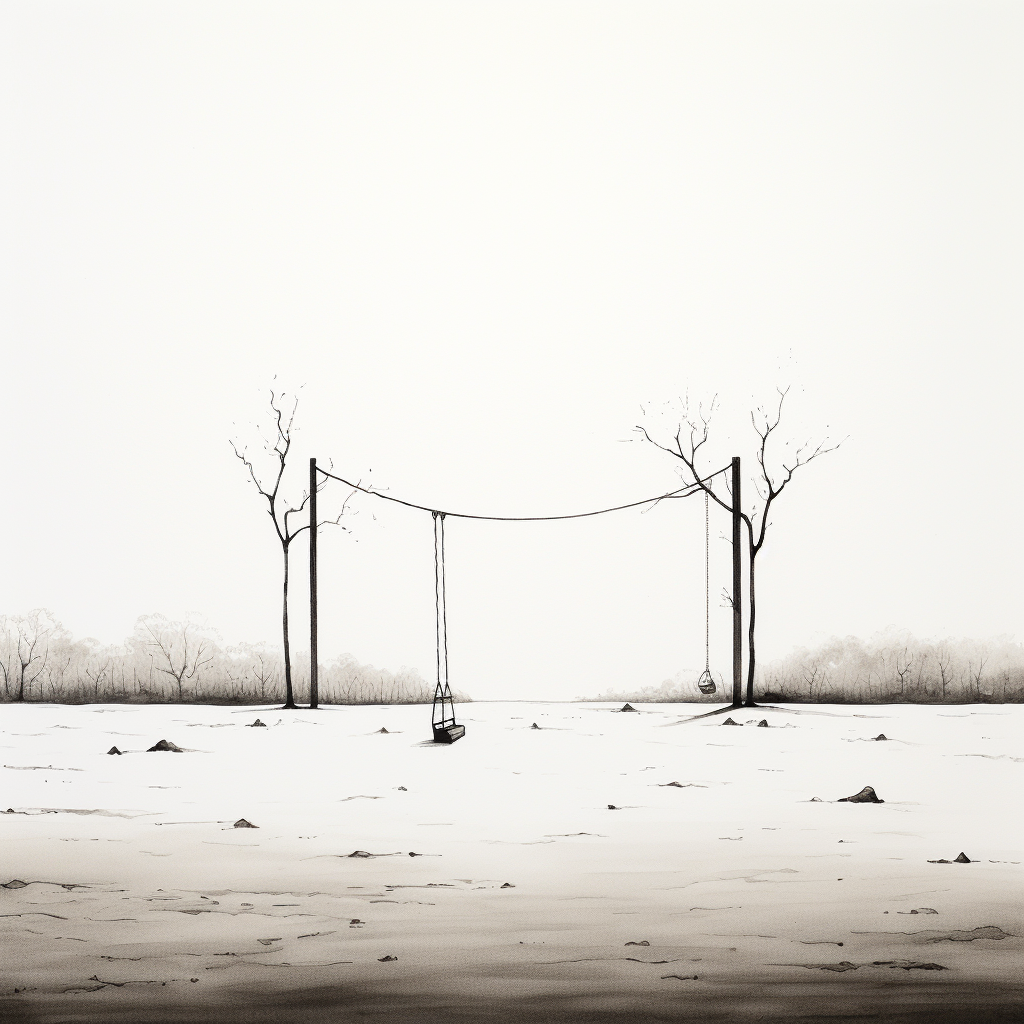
(143, 898)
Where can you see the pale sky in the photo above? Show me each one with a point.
(482, 236)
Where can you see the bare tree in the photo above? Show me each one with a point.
(815, 673)
(26, 642)
(944, 656)
(277, 448)
(181, 650)
(904, 663)
(690, 438)
(976, 673)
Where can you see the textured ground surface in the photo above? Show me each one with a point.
(734, 895)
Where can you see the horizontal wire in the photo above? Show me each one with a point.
(683, 492)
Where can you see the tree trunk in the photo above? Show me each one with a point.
(289, 700)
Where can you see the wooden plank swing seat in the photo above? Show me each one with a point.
(449, 734)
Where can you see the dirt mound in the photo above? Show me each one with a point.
(242, 823)
(627, 707)
(165, 745)
(866, 796)
(114, 750)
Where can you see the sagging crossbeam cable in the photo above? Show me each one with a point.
(683, 492)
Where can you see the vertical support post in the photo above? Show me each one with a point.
(313, 680)
(737, 584)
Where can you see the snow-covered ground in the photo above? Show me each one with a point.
(556, 873)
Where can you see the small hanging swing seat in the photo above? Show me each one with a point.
(706, 684)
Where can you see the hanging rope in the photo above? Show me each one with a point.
(683, 492)
(444, 706)
(444, 609)
(706, 684)
(707, 588)
(437, 597)
(440, 606)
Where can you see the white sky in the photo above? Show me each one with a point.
(482, 236)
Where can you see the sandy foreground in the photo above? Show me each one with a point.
(500, 884)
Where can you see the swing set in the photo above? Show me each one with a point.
(445, 728)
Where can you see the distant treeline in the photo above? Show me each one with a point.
(165, 661)
(896, 667)
(890, 668)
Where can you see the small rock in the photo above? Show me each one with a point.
(881, 736)
(411, 854)
(360, 853)
(627, 707)
(763, 724)
(386, 959)
(242, 823)
(866, 796)
(612, 807)
(678, 785)
(256, 725)
(113, 750)
(962, 859)
(816, 800)
(729, 721)
(642, 942)
(535, 726)
(164, 745)
(383, 730)
(355, 921)
(507, 885)
(940, 861)
(402, 789)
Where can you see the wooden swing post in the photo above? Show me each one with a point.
(737, 583)
(313, 680)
